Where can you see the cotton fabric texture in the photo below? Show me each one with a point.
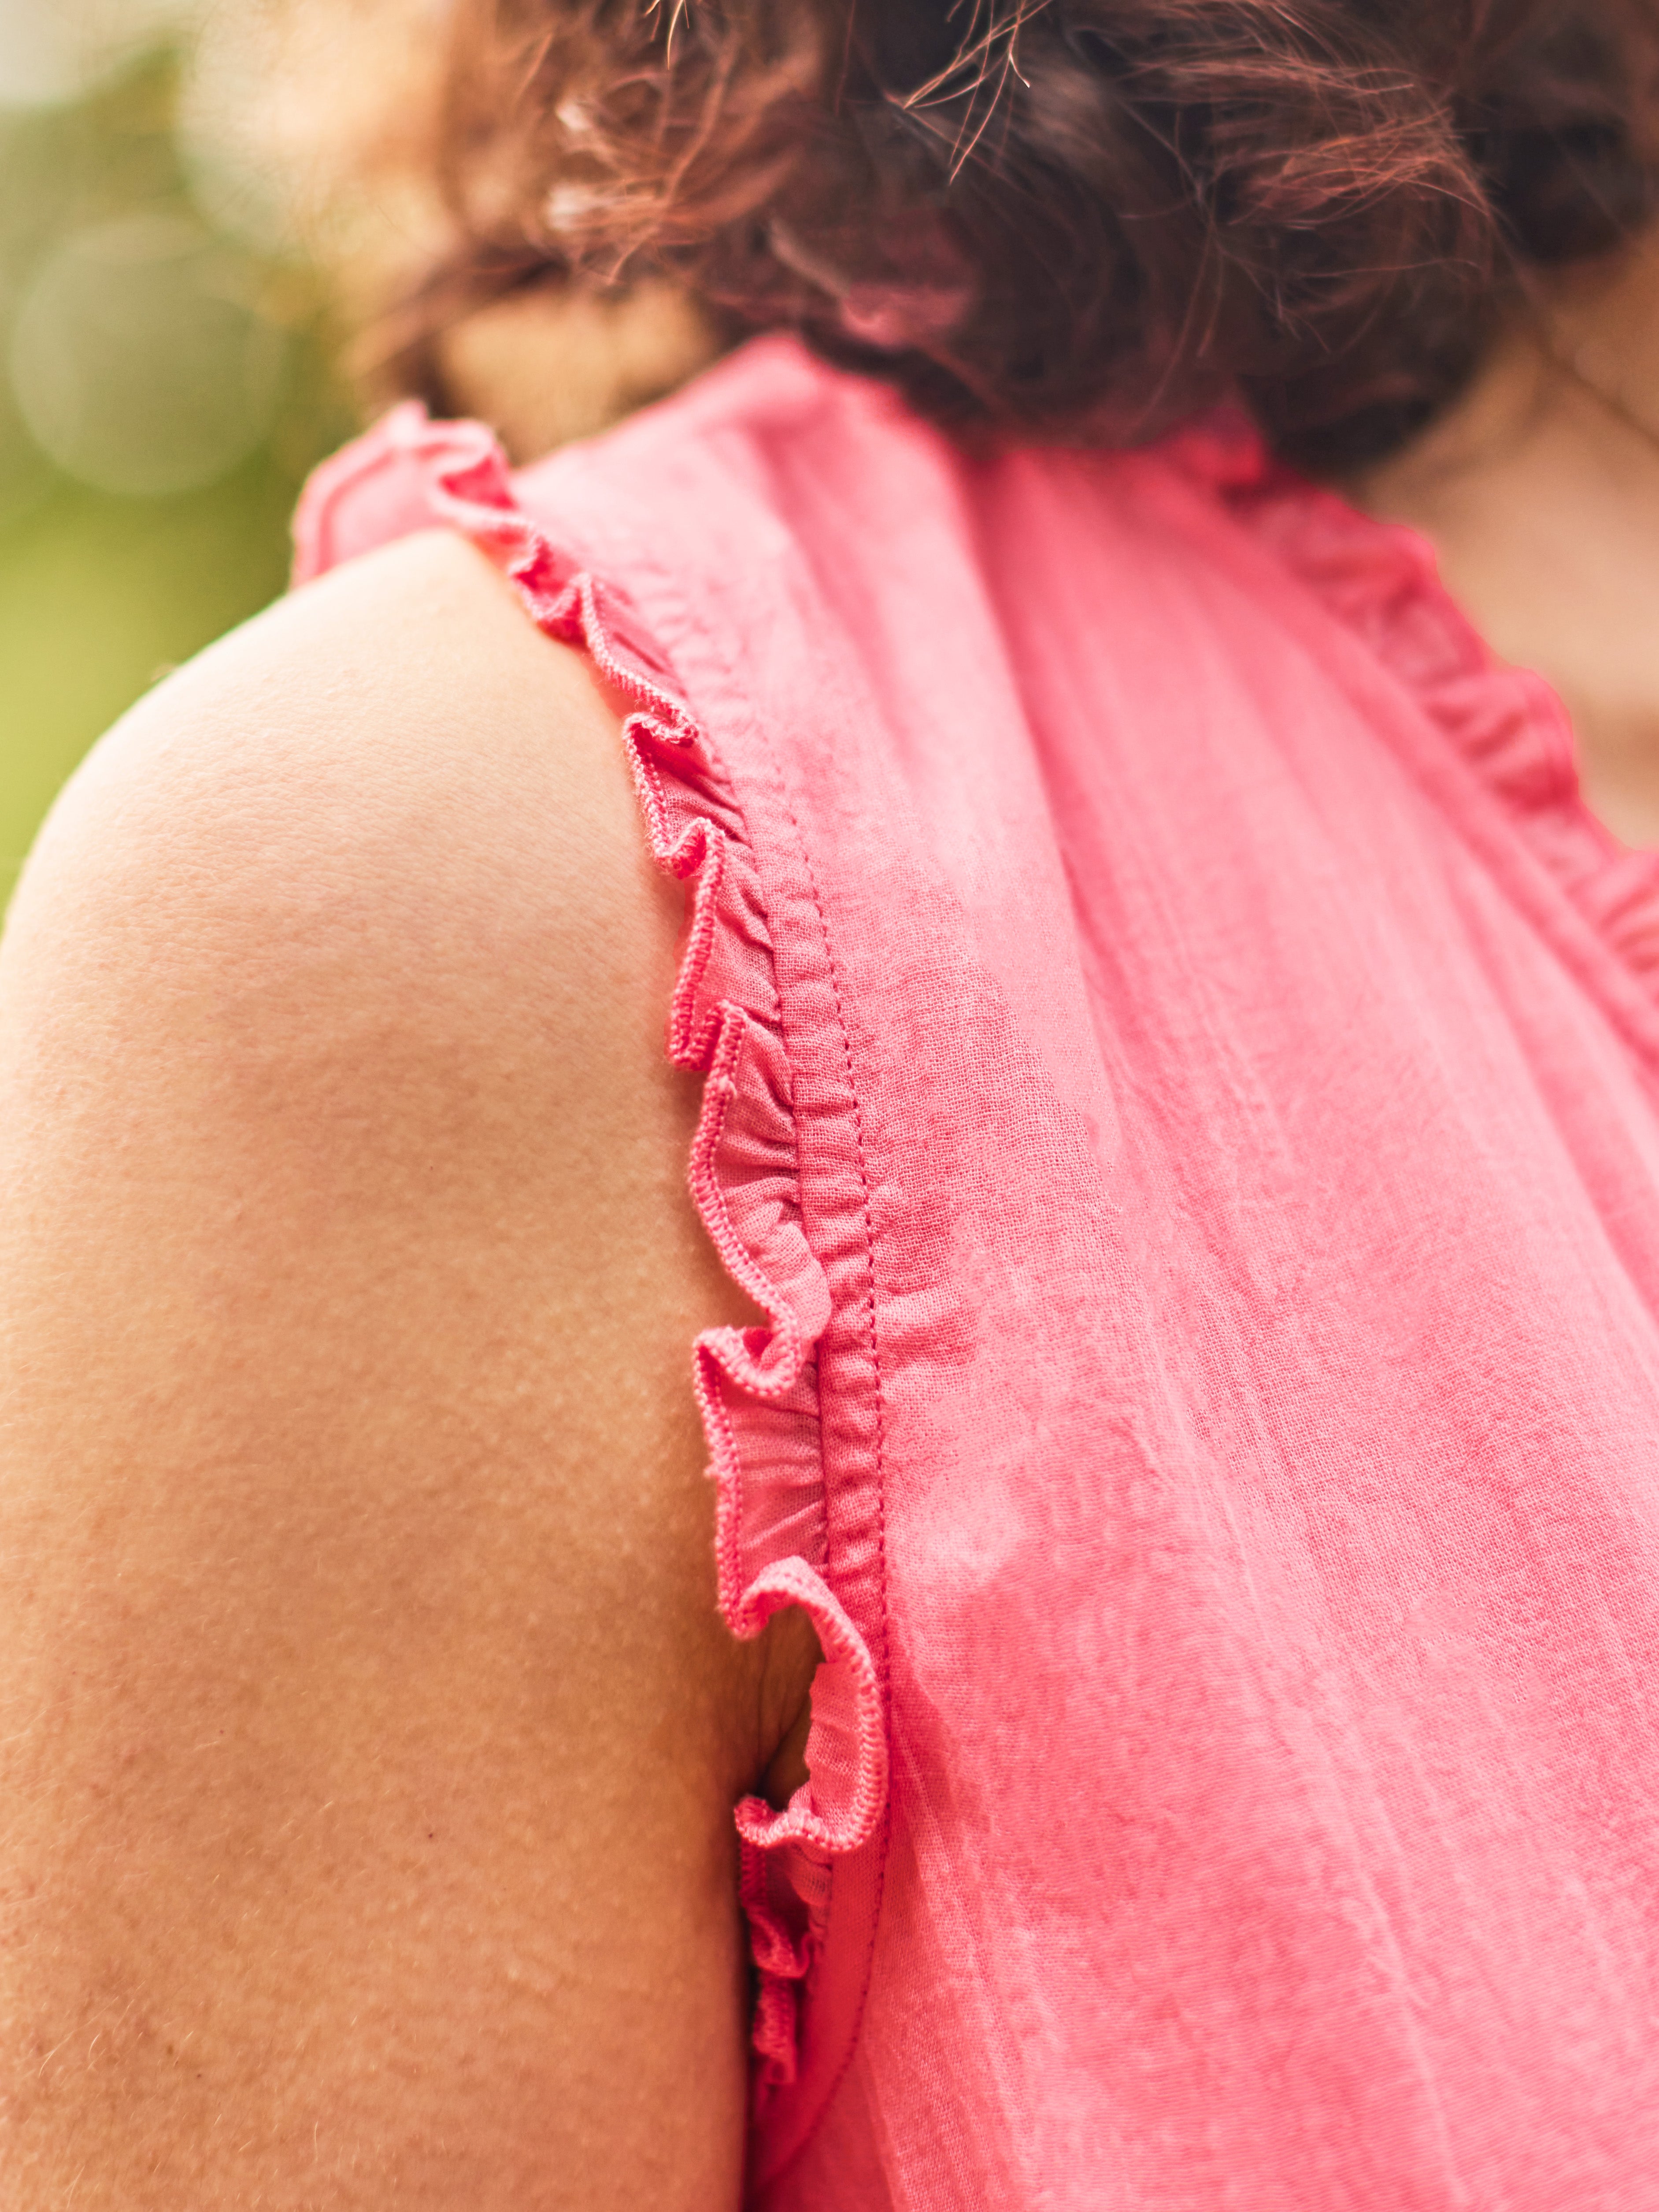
(1181, 1069)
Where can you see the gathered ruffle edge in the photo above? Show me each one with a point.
(756, 1388)
(1382, 581)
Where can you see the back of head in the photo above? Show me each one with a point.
(1074, 218)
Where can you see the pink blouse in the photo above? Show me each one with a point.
(1183, 1082)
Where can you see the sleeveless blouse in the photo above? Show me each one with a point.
(1182, 1083)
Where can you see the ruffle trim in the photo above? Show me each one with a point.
(756, 1388)
(1382, 581)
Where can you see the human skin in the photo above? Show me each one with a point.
(1541, 501)
(368, 1734)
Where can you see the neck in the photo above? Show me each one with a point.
(1540, 492)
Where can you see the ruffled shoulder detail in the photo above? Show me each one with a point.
(756, 1388)
(1382, 581)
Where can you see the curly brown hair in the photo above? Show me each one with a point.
(1079, 218)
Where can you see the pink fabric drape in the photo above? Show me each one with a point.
(1182, 1068)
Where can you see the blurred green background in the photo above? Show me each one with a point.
(164, 389)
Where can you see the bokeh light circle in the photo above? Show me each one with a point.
(140, 359)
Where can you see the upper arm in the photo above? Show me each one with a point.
(368, 1732)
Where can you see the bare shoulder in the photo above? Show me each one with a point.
(360, 895)
(356, 1601)
(393, 756)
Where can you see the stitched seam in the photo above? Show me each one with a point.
(869, 1248)
(881, 1656)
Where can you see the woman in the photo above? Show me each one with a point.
(1162, 1018)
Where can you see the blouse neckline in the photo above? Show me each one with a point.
(1382, 582)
